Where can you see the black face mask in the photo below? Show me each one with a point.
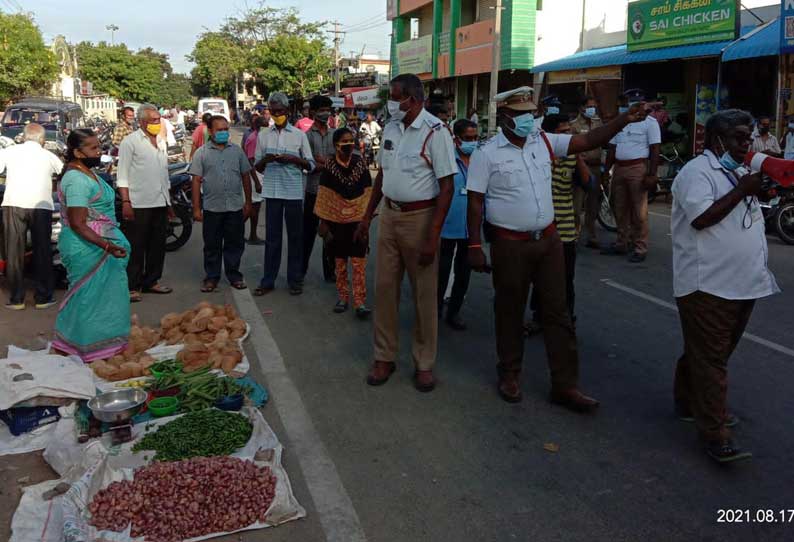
(346, 149)
(763, 130)
(91, 162)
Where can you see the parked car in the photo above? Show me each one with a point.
(58, 117)
(216, 106)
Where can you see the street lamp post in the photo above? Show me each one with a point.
(113, 28)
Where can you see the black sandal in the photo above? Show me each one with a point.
(260, 291)
(239, 285)
(209, 286)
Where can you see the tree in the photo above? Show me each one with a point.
(115, 70)
(263, 23)
(176, 90)
(26, 65)
(219, 61)
(292, 64)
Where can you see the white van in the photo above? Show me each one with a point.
(216, 106)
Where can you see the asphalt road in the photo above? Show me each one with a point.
(459, 463)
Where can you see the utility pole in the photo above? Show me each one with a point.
(336, 32)
(113, 28)
(496, 62)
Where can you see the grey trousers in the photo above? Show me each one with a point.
(16, 223)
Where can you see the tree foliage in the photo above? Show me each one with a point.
(272, 44)
(145, 76)
(292, 64)
(26, 65)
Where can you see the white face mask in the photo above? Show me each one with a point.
(394, 110)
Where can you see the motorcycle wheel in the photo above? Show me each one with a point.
(605, 215)
(784, 223)
(179, 229)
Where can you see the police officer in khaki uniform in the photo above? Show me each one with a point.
(417, 161)
(511, 175)
(587, 120)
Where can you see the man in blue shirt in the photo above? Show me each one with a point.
(454, 235)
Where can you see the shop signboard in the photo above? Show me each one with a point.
(667, 23)
(366, 98)
(787, 27)
(705, 106)
(585, 74)
(416, 56)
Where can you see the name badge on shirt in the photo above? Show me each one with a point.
(756, 213)
(463, 191)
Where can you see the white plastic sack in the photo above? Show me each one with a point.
(53, 376)
(263, 448)
(37, 519)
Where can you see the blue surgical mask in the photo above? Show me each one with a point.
(467, 147)
(524, 124)
(552, 110)
(623, 109)
(221, 138)
(590, 112)
(726, 160)
(791, 125)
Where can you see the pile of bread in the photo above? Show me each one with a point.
(209, 332)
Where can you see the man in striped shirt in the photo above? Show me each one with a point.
(564, 171)
(282, 155)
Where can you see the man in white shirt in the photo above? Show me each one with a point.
(787, 141)
(511, 176)
(370, 132)
(765, 142)
(635, 154)
(143, 184)
(719, 270)
(180, 118)
(27, 206)
(417, 161)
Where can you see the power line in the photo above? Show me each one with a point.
(376, 25)
(366, 21)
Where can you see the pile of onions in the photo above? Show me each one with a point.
(167, 502)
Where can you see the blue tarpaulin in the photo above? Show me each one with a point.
(760, 40)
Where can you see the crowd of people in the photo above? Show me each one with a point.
(442, 197)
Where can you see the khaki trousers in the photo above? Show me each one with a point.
(400, 238)
(516, 266)
(631, 206)
(712, 327)
(592, 203)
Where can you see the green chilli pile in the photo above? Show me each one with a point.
(204, 433)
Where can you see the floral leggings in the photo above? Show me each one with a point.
(359, 280)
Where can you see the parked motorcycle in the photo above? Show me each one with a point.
(782, 218)
(669, 166)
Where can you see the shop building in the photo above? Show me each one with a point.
(735, 62)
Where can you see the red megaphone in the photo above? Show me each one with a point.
(781, 171)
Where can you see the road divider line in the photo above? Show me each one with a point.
(335, 509)
(667, 305)
(658, 214)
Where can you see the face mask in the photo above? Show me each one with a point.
(345, 148)
(524, 124)
(394, 110)
(467, 147)
(153, 129)
(791, 125)
(763, 130)
(91, 162)
(280, 120)
(221, 137)
(553, 110)
(590, 112)
(623, 109)
(322, 117)
(726, 160)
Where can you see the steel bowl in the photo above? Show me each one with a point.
(117, 405)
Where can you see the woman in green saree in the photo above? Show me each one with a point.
(94, 317)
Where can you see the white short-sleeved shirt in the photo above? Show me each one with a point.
(143, 170)
(727, 259)
(788, 152)
(407, 177)
(634, 141)
(29, 169)
(516, 182)
(762, 145)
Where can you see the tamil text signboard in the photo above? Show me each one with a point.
(667, 23)
(415, 56)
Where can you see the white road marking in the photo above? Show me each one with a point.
(334, 507)
(656, 301)
(658, 214)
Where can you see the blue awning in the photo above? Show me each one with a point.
(619, 55)
(762, 41)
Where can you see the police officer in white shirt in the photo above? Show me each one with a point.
(511, 175)
(27, 207)
(635, 154)
(417, 161)
(719, 270)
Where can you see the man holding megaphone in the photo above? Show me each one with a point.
(719, 270)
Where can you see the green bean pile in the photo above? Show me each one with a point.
(204, 433)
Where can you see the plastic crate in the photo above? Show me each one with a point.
(26, 419)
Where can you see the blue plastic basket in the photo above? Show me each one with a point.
(26, 419)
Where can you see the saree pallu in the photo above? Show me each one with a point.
(94, 317)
